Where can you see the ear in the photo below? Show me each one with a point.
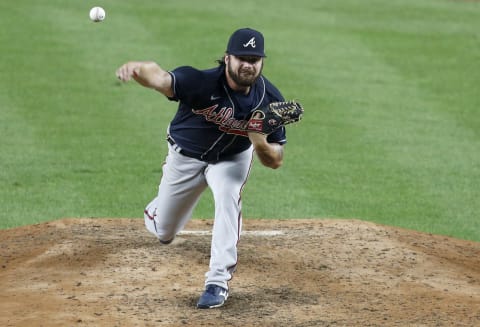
(226, 59)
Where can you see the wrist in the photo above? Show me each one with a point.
(258, 140)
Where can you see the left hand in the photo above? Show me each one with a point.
(267, 119)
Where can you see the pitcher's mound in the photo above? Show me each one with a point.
(112, 272)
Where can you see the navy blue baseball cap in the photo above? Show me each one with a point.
(246, 42)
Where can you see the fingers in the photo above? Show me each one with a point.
(123, 74)
(127, 71)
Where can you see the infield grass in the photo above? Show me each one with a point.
(391, 132)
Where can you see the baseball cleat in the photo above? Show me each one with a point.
(213, 297)
(166, 242)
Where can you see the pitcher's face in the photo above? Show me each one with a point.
(244, 70)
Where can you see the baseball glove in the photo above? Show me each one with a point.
(267, 119)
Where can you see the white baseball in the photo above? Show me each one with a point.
(97, 14)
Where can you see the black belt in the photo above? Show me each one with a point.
(182, 151)
(210, 158)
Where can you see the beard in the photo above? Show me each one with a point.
(244, 77)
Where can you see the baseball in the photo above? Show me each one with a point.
(97, 14)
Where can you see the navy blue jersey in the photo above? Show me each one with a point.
(211, 118)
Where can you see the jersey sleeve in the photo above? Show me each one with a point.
(278, 136)
(187, 83)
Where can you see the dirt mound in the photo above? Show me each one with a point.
(111, 272)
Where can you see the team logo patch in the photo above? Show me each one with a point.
(255, 125)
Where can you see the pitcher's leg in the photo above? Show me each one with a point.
(180, 188)
(226, 180)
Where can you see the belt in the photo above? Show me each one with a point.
(182, 151)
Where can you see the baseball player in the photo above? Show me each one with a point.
(211, 142)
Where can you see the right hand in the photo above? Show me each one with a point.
(128, 70)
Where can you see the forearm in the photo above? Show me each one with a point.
(148, 74)
(270, 154)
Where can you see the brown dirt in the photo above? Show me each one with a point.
(111, 272)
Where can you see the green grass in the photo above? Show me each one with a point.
(391, 132)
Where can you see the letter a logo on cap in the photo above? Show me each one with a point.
(251, 43)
